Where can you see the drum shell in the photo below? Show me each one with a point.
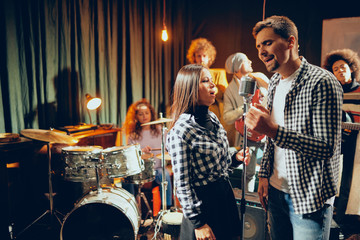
(79, 166)
(111, 214)
(122, 161)
(171, 223)
(148, 175)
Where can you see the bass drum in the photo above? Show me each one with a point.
(107, 215)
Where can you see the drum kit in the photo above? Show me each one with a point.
(109, 212)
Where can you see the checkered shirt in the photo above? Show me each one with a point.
(198, 156)
(311, 137)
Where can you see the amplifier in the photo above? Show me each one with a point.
(255, 217)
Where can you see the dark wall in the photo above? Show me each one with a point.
(228, 24)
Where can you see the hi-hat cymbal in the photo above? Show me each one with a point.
(158, 121)
(48, 136)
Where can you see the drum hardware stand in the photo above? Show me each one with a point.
(97, 173)
(140, 195)
(158, 223)
(51, 211)
(164, 183)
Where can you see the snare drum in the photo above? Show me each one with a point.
(122, 161)
(110, 214)
(148, 175)
(78, 164)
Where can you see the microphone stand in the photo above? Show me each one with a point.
(247, 101)
(247, 90)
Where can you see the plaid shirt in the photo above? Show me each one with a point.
(198, 156)
(311, 137)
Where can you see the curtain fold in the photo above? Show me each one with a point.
(54, 52)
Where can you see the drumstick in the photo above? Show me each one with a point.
(155, 149)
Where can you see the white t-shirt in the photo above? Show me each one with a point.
(279, 178)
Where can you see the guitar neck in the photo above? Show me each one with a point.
(350, 126)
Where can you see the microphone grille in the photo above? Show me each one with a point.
(247, 86)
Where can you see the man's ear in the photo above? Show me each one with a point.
(291, 41)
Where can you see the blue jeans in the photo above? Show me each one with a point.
(285, 224)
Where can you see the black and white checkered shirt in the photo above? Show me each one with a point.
(311, 137)
(198, 156)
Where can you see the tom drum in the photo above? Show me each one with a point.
(123, 161)
(148, 175)
(79, 166)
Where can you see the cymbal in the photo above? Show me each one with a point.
(158, 121)
(48, 136)
(166, 156)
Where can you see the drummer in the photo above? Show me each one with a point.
(149, 138)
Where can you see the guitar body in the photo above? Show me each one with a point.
(239, 124)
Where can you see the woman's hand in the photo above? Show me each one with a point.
(204, 233)
(240, 156)
(146, 149)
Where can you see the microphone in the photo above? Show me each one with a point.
(247, 86)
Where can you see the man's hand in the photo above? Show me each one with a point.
(204, 233)
(259, 120)
(263, 191)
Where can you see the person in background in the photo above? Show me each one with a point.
(149, 138)
(202, 51)
(299, 171)
(345, 65)
(239, 65)
(201, 160)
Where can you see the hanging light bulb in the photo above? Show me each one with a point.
(164, 34)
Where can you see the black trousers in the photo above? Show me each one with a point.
(220, 210)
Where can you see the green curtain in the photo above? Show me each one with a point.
(54, 52)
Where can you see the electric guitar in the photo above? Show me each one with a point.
(239, 124)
